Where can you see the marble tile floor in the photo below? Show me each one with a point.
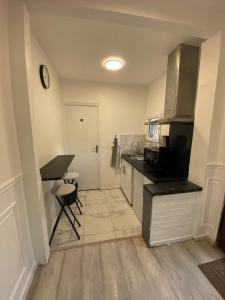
(106, 216)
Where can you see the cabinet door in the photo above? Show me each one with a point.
(126, 180)
(122, 175)
(137, 194)
(138, 182)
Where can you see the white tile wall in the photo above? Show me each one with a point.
(128, 142)
(173, 218)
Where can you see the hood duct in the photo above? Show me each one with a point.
(181, 85)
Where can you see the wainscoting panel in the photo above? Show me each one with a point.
(11, 260)
(16, 255)
(51, 205)
(213, 199)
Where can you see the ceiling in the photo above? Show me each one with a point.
(78, 37)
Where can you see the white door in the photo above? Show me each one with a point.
(81, 132)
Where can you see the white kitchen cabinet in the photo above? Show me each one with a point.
(126, 182)
(138, 181)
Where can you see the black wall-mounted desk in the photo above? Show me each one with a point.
(56, 168)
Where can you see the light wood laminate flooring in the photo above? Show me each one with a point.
(127, 269)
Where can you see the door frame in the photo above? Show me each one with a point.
(98, 106)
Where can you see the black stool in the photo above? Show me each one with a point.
(66, 196)
(71, 177)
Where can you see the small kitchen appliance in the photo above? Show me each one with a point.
(158, 157)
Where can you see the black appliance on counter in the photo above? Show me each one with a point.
(175, 157)
(158, 157)
(180, 142)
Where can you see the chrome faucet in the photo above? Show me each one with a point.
(137, 147)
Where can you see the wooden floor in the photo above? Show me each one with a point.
(127, 269)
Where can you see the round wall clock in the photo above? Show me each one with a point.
(44, 76)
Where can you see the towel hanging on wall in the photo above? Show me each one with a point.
(116, 153)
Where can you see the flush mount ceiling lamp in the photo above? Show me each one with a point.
(113, 64)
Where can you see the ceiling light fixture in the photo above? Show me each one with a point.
(113, 64)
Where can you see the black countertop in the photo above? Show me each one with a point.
(169, 188)
(56, 168)
(155, 174)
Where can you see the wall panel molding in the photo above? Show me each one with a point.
(213, 199)
(22, 286)
(4, 186)
(4, 213)
(16, 255)
(215, 165)
(11, 256)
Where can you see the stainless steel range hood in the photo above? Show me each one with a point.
(181, 85)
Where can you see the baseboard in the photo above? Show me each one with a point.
(24, 281)
(28, 282)
(171, 241)
(199, 237)
(211, 241)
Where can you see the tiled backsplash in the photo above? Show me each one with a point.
(128, 143)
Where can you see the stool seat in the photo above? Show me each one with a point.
(71, 178)
(71, 175)
(63, 189)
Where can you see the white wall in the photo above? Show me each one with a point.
(214, 186)
(47, 109)
(122, 111)
(16, 253)
(22, 88)
(216, 153)
(9, 158)
(208, 70)
(199, 171)
(156, 96)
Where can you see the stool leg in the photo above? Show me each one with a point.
(76, 186)
(79, 202)
(74, 216)
(76, 202)
(55, 226)
(68, 217)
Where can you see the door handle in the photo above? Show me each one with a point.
(96, 148)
